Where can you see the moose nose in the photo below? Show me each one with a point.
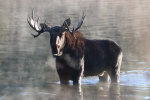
(54, 49)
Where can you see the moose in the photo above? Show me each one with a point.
(77, 56)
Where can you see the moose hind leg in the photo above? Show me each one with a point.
(114, 74)
(104, 77)
(114, 71)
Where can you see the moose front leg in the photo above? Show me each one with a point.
(70, 69)
(76, 76)
(73, 74)
(63, 72)
(68, 73)
(78, 73)
(64, 76)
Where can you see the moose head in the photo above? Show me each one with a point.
(57, 33)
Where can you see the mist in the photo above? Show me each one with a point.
(27, 67)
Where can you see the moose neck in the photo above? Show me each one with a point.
(74, 46)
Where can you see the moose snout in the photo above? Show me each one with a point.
(54, 49)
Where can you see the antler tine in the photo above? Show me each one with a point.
(38, 19)
(32, 14)
(72, 32)
(80, 22)
(36, 25)
(67, 26)
(83, 16)
(35, 35)
(30, 21)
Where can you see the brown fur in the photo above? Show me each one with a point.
(99, 56)
(78, 44)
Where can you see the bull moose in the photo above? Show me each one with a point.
(77, 56)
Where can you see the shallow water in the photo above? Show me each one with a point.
(27, 68)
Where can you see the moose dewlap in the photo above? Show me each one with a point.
(77, 56)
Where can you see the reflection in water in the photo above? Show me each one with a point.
(114, 91)
(102, 91)
(69, 93)
(86, 91)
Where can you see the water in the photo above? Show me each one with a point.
(27, 68)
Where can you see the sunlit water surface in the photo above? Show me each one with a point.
(27, 68)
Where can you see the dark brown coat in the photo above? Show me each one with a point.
(88, 58)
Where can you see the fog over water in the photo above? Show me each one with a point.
(27, 68)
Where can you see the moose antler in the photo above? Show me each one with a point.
(35, 25)
(80, 22)
(78, 26)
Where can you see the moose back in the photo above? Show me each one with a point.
(77, 56)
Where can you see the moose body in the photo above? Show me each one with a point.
(89, 58)
(77, 56)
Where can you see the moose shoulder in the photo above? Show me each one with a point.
(77, 56)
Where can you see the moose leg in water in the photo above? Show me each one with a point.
(69, 68)
(114, 71)
(104, 77)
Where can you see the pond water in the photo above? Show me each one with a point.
(27, 68)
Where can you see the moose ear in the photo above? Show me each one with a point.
(68, 21)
